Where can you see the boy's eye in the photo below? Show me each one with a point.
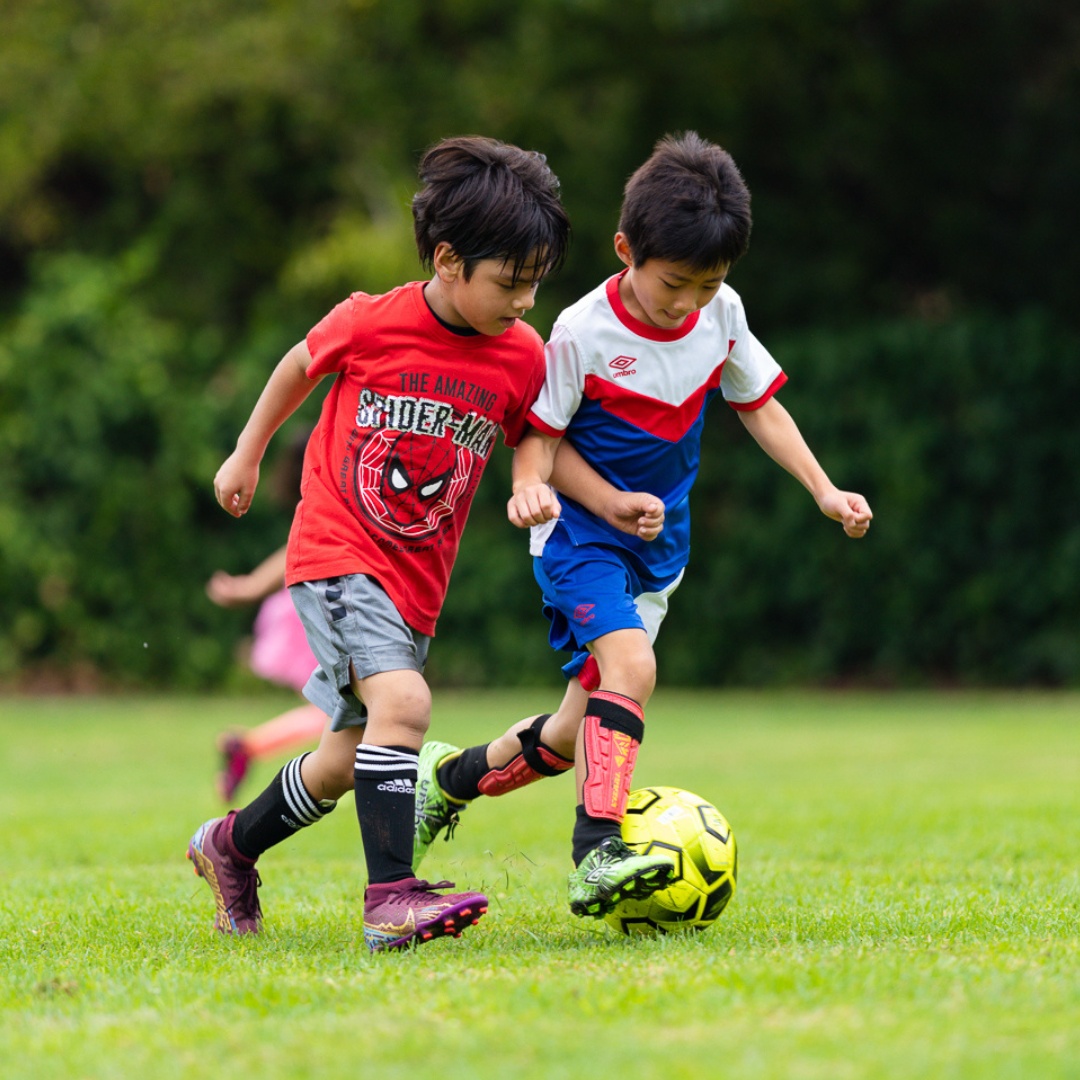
(707, 287)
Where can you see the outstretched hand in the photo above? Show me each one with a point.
(232, 590)
(235, 483)
(637, 513)
(850, 509)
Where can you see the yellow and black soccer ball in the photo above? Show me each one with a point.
(699, 839)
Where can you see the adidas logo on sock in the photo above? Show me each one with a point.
(399, 787)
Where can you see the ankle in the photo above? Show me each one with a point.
(379, 890)
(226, 842)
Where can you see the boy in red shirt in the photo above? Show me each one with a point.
(424, 377)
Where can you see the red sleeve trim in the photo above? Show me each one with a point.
(546, 429)
(750, 406)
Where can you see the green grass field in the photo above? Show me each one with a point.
(908, 905)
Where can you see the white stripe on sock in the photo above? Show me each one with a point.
(378, 760)
(300, 802)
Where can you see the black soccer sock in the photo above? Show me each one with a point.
(468, 775)
(384, 779)
(460, 776)
(591, 832)
(282, 809)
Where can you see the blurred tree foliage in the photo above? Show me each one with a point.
(185, 189)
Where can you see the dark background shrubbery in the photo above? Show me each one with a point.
(185, 189)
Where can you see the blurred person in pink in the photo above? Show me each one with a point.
(279, 654)
(279, 651)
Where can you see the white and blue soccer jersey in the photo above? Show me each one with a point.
(631, 398)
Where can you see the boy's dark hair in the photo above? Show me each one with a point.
(687, 204)
(490, 200)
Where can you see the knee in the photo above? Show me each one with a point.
(340, 780)
(411, 710)
(632, 673)
(327, 772)
(402, 715)
(560, 731)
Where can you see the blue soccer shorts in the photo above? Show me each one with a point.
(591, 590)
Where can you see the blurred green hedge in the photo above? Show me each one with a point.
(112, 425)
(960, 432)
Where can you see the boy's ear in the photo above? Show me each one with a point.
(446, 261)
(622, 249)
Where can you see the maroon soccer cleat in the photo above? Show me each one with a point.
(233, 880)
(401, 913)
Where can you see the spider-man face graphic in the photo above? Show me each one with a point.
(407, 484)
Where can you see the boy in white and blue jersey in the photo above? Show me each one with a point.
(631, 368)
(631, 396)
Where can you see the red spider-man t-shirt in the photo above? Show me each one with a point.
(405, 432)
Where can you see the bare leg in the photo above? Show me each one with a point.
(559, 730)
(298, 726)
(399, 711)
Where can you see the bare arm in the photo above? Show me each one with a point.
(285, 391)
(533, 502)
(235, 590)
(777, 434)
(635, 512)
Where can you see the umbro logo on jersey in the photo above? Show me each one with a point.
(399, 787)
(623, 365)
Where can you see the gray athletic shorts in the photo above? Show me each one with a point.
(351, 620)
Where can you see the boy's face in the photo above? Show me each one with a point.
(491, 301)
(662, 293)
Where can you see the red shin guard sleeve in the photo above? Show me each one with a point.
(533, 763)
(614, 726)
(517, 772)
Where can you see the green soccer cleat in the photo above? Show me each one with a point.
(435, 810)
(612, 873)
